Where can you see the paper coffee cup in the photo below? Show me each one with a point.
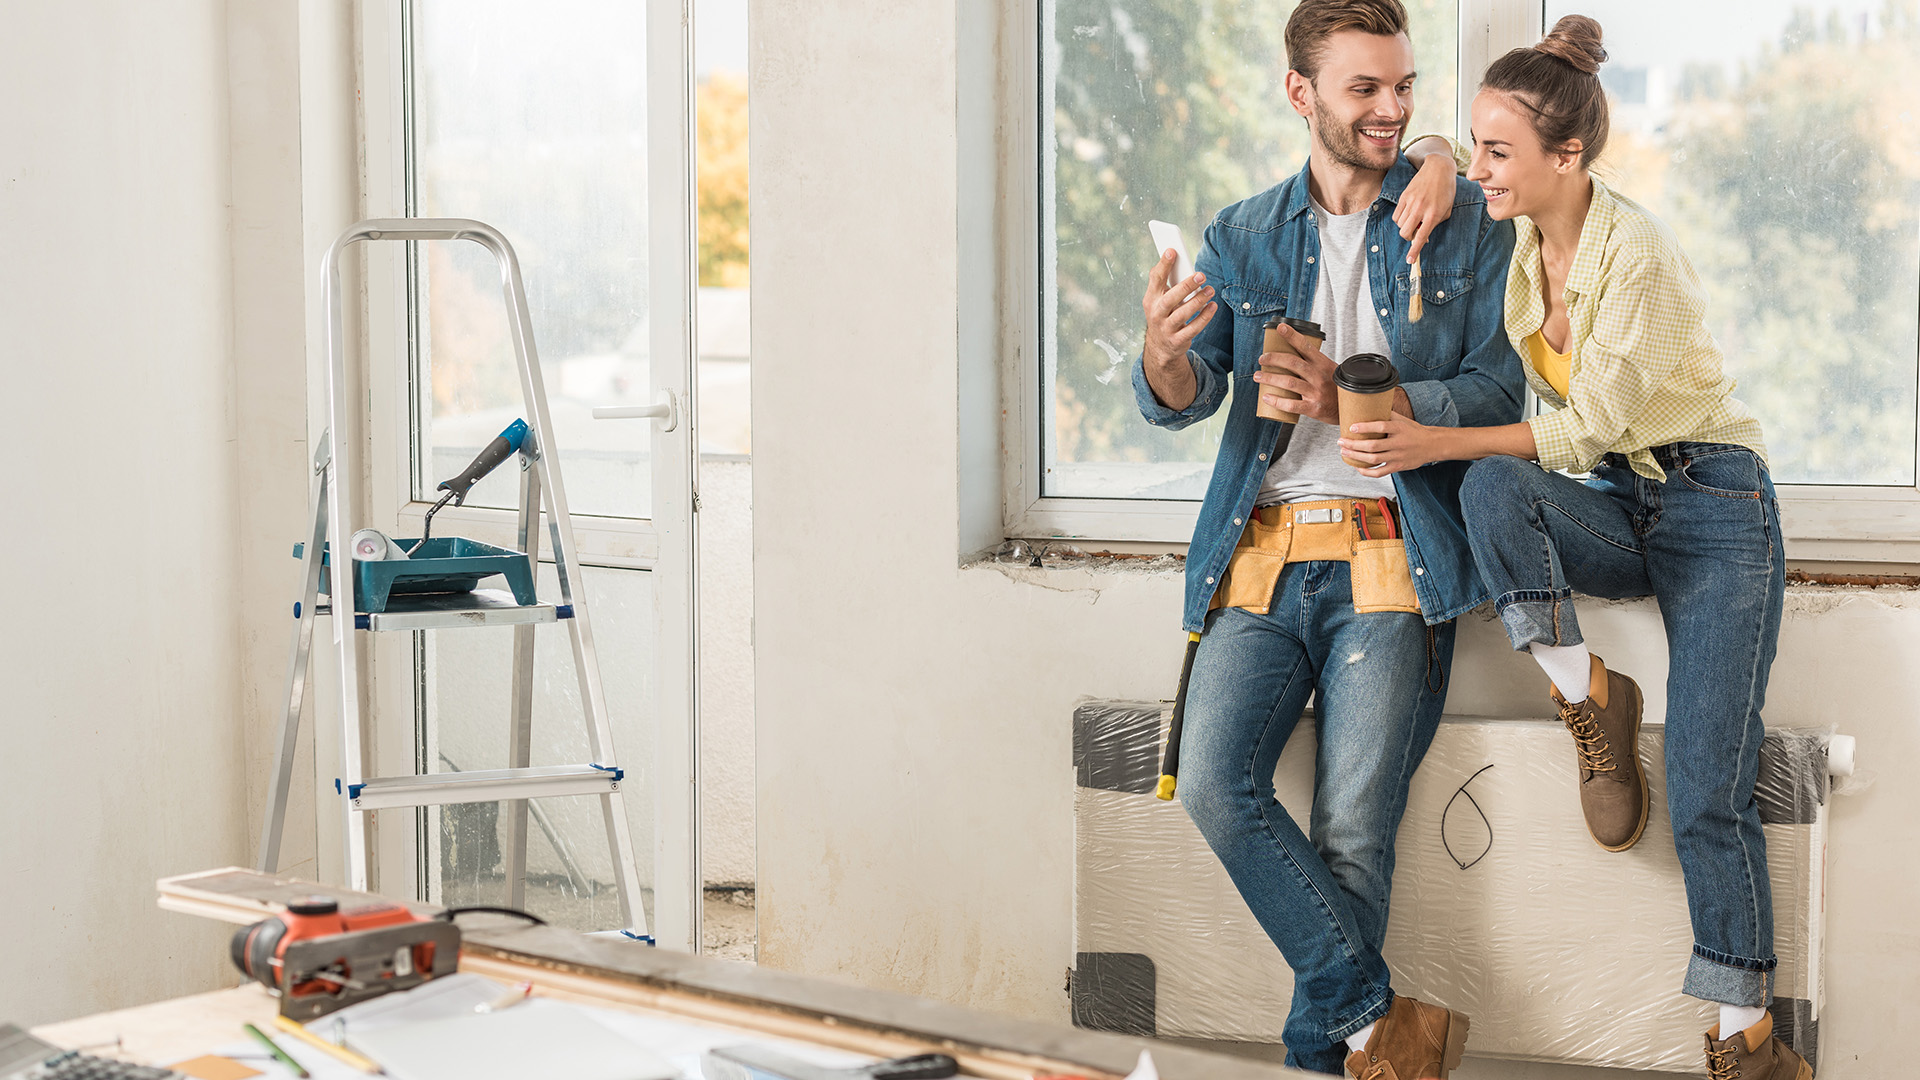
(1276, 342)
(1365, 384)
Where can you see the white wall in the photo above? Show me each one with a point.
(914, 772)
(151, 290)
(122, 746)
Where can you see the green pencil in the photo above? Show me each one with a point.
(274, 1049)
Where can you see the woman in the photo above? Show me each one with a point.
(1610, 317)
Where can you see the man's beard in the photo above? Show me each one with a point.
(1342, 142)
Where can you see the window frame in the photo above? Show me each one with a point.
(1826, 523)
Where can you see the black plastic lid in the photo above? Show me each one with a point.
(314, 905)
(1366, 373)
(1305, 326)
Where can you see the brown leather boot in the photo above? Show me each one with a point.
(1754, 1054)
(1606, 735)
(1412, 1041)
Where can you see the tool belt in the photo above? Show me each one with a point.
(1363, 534)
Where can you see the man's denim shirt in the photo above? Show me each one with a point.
(1456, 365)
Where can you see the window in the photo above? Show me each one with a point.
(1774, 137)
(1779, 147)
(1167, 109)
(535, 122)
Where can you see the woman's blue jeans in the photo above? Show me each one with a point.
(1706, 542)
(1380, 681)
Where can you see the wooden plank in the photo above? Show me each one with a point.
(840, 1014)
(236, 895)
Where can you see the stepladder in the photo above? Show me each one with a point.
(430, 584)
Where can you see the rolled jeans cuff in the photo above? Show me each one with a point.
(1372, 1011)
(1538, 617)
(1729, 980)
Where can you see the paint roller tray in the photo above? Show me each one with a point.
(444, 564)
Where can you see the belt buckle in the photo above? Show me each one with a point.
(1322, 516)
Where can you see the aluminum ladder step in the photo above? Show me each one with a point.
(442, 611)
(486, 785)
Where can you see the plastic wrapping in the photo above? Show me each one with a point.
(1558, 951)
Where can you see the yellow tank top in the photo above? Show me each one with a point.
(1555, 367)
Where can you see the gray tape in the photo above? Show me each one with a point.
(1114, 992)
(1792, 782)
(1116, 744)
(1793, 1024)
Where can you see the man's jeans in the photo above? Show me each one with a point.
(1706, 542)
(1381, 681)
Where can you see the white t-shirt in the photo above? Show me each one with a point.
(1343, 306)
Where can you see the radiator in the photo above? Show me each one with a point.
(1166, 947)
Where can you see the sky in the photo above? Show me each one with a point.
(719, 36)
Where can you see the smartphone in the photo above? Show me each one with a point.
(1166, 236)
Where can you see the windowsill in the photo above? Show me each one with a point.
(1137, 557)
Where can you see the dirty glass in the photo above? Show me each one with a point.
(1777, 138)
(1169, 110)
(532, 118)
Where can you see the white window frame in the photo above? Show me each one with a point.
(1825, 523)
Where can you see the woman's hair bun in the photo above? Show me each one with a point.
(1575, 39)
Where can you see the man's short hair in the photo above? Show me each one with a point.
(1314, 21)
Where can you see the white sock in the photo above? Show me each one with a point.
(1357, 1041)
(1738, 1018)
(1569, 666)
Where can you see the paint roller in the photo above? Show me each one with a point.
(503, 446)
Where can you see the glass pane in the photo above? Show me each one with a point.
(468, 681)
(1775, 137)
(1167, 109)
(533, 118)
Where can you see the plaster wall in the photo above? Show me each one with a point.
(120, 743)
(913, 763)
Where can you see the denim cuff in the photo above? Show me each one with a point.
(1368, 1013)
(1538, 617)
(1729, 980)
(1432, 403)
(1207, 392)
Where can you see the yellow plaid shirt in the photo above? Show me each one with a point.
(1645, 370)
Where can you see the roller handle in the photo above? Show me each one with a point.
(503, 446)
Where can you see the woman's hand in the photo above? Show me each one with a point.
(1408, 444)
(1427, 202)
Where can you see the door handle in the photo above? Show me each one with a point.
(667, 412)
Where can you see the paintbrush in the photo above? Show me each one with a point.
(1413, 301)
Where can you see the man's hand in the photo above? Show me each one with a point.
(1408, 445)
(1427, 202)
(1311, 378)
(1173, 321)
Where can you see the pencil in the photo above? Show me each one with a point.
(279, 1055)
(299, 1031)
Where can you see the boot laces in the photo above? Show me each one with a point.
(1378, 1071)
(1595, 753)
(1722, 1065)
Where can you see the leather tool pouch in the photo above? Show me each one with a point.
(1382, 580)
(1255, 567)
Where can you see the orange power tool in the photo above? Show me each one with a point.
(318, 958)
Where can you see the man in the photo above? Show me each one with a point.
(1305, 577)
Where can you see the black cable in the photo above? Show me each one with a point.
(449, 913)
(1459, 791)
